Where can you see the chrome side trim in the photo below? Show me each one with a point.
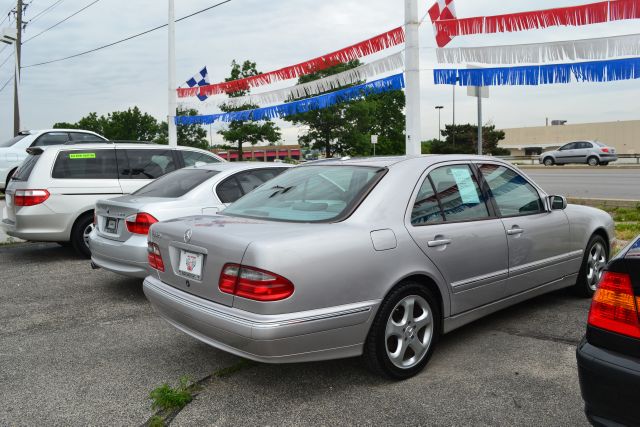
(525, 268)
(474, 282)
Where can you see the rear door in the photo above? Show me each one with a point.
(139, 167)
(538, 238)
(567, 154)
(583, 150)
(459, 232)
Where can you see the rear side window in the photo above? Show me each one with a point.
(80, 137)
(190, 158)
(90, 164)
(145, 164)
(512, 193)
(51, 138)
(176, 184)
(240, 184)
(24, 171)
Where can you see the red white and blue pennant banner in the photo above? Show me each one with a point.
(594, 13)
(375, 44)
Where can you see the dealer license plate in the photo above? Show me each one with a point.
(191, 265)
(111, 225)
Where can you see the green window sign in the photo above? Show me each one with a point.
(76, 156)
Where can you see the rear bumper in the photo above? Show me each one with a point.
(608, 158)
(610, 385)
(39, 224)
(127, 258)
(331, 333)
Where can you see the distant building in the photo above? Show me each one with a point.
(624, 136)
(262, 154)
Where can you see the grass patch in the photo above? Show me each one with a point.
(624, 214)
(156, 421)
(167, 398)
(627, 231)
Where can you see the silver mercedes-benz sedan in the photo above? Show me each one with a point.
(118, 241)
(373, 257)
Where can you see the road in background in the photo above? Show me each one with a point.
(595, 183)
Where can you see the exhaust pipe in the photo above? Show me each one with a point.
(95, 266)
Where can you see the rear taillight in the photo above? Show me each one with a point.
(140, 223)
(30, 197)
(604, 150)
(254, 284)
(615, 307)
(155, 257)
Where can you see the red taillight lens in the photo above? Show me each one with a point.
(155, 257)
(140, 223)
(30, 197)
(254, 284)
(615, 307)
(604, 150)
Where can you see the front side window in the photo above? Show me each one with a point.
(570, 146)
(90, 164)
(458, 192)
(191, 158)
(512, 193)
(176, 184)
(146, 164)
(52, 138)
(309, 194)
(426, 209)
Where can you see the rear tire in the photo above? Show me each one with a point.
(593, 161)
(594, 261)
(404, 332)
(548, 161)
(9, 175)
(80, 235)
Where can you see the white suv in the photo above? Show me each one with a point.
(13, 152)
(52, 196)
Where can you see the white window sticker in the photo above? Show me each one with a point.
(466, 186)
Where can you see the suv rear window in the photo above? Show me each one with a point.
(176, 184)
(90, 164)
(309, 194)
(24, 171)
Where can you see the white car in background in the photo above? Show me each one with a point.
(14, 151)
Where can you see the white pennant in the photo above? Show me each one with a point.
(336, 81)
(539, 53)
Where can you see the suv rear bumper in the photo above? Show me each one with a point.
(331, 333)
(127, 258)
(29, 226)
(610, 385)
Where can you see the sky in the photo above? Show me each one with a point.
(274, 34)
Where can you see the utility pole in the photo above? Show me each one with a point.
(479, 122)
(173, 101)
(412, 74)
(16, 78)
(439, 108)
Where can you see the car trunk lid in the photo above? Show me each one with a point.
(111, 215)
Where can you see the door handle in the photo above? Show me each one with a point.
(439, 243)
(515, 231)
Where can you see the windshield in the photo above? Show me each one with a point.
(308, 194)
(11, 142)
(176, 184)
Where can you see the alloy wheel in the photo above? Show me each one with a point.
(409, 332)
(596, 262)
(85, 234)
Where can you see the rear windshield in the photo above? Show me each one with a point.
(308, 194)
(176, 184)
(24, 171)
(11, 142)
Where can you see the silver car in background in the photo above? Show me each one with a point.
(373, 257)
(592, 153)
(118, 241)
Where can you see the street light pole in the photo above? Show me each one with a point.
(173, 101)
(439, 108)
(16, 78)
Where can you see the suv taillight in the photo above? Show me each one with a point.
(615, 307)
(254, 284)
(155, 257)
(30, 197)
(140, 223)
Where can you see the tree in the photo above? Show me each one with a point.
(188, 135)
(467, 140)
(129, 125)
(346, 128)
(239, 132)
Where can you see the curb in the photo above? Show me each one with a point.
(612, 203)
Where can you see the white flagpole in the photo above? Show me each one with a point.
(173, 101)
(412, 78)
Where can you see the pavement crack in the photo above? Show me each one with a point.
(542, 337)
(165, 417)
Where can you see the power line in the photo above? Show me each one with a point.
(125, 39)
(60, 22)
(42, 12)
(6, 83)
(6, 59)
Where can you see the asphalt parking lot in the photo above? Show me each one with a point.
(83, 347)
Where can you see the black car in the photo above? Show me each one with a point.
(609, 355)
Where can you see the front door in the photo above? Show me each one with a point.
(456, 229)
(538, 238)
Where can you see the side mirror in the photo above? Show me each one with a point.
(557, 203)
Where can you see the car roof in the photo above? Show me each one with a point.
(237, 166)
(385, 162)
(39, 131)
(140, 145)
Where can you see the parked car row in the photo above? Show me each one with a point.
(339, 258)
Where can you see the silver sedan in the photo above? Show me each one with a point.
(118, 241)
(372, 257)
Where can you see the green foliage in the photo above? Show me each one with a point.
(239, 132)
(156, 421)
(466, 140)
(188, 135)
(166, 397)
(426, 146)
(346, 128)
